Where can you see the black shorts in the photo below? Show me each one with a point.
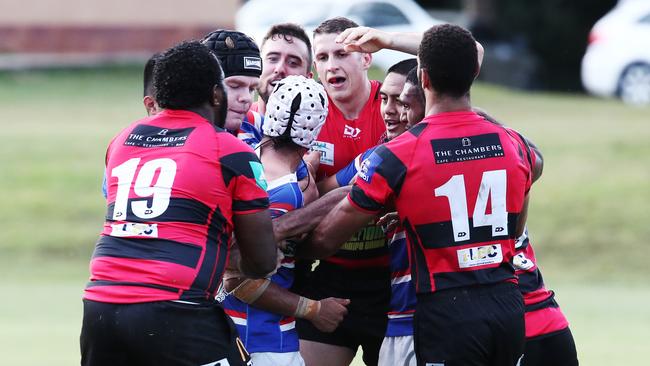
(365, 324)
(479, 325)
(557, 349)
(159, 333)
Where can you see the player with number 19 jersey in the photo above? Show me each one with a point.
(174, 182)
(470, 178)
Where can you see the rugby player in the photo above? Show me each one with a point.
(360, 270)
(451, 165)
(391, 111)
(242, 66)
(548, 337)
(285, 51)
(178, 187)
(264, 310)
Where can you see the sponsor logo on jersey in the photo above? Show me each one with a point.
(368, 167)
(152, 136)
(252, 63)
(369, 238)
(467, 148)
(351, 132)
(479, 256)
(326, 152)
(258, 171)
(134, 229)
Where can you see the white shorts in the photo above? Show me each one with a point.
(277, 359)
(397, 351)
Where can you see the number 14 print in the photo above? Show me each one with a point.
(493, 186)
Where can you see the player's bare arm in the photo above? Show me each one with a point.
(254, 233)
(325, 314)
(366, 39)
(303, 220)
(334, 230)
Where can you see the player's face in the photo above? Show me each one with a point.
(390, 104)
(412, 107)
(282, 56)
(240, 96)
(342, 73)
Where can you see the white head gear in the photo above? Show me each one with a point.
(299, 104)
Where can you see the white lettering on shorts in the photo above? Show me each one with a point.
(479, 256)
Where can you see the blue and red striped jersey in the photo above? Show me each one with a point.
(260, 330)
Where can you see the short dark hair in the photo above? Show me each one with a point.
(412, 78)
(449, 56)
(289, 31)
(334, 25)
(185, 76)
(148, 75)
(403, 67)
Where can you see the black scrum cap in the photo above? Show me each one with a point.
(237, 52)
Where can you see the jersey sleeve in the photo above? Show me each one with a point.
(302, 172)
(379, 179)
(244, 176)
(250, 130)
(347, 174)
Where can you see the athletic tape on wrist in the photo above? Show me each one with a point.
(251, 290)
(307, 308)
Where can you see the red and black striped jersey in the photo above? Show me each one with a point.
(543, 314)
(458, 183)
(174, 182)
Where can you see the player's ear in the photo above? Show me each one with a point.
(218, 96)
(366, 60)
(425, 82)
(150, 105)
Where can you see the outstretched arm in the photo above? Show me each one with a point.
(325, 314)
(305, 219)
(365, 39)
(334, 230)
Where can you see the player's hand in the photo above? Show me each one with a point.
(331, 313)
(364, 39)
(389, 221)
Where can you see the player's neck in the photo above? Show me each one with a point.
(351, 107)
(436, 104)
(277, 163)
(206, 111)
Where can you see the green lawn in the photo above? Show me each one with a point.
(588, 217)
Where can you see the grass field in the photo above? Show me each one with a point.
(588, 216)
